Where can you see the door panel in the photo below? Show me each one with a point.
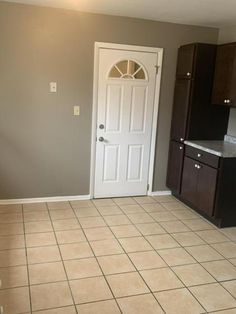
(180, 110)
(125, 108)
(189, 181)
(113, 108)
(175, 165)
(135, 160)
(185, 63)
(138, 109)
(206, 188)
(111, 163)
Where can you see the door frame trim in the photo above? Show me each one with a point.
(159, 52)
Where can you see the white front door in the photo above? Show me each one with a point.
(126, 90)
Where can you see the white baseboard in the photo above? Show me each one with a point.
(45, 199)
(63, 198)
(159, 193)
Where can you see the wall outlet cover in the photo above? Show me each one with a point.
(76, 110)
(53, 87)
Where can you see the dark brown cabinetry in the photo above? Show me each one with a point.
(224, 91)
(176, 155)
(204, 181)
(193, 116)
(185, 64)
(199, 185)
(209, 186)
(180, 109)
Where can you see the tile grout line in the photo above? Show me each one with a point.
(126, 253)
(167, 233)
(181, 265)
(203, 267)
(169, 267)
(62, 261)
(97, 260)
(27, 265)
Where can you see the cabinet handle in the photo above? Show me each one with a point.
(225, 101)
(228, 101)
(195, 165)
(188, 73)
(181, 139)
(181, 147)
(199, 155)
(1, 309)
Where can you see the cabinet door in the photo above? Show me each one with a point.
(224, 92)
(189, 181)
(175, 164)
(185, 62)
(206, 188)
(180, 109)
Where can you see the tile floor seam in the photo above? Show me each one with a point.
(72, 296)
(206, 271)
(226, 258)
(127, 254)
(219, 281)
(99, 264)
(150, 291)
(183, 282)
(27, 264)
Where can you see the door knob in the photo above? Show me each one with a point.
(101, 139)
(188, 73)
(101, 126)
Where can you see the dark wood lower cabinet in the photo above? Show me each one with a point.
(199, 185)
(189, 181)
(175, 164)
(210, 188)
(206, 189)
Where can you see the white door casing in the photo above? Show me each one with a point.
(125, 113)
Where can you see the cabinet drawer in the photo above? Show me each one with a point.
(202, 156)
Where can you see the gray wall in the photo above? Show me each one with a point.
(45, 150)
(226, 35)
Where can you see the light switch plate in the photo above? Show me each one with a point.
(76, 110)
(53, 87)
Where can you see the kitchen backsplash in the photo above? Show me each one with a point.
(230, 139)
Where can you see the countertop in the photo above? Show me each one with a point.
(218, 148)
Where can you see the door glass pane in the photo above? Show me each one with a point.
(127, 69)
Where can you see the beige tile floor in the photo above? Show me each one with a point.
(141, 255)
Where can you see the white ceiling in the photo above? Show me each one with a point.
(214, 13)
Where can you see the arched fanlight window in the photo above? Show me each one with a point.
(127, 69)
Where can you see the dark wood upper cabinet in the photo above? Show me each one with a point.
(180, 109)
(194, 116)
(175, 165)
(185, 63)
(224, 89)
